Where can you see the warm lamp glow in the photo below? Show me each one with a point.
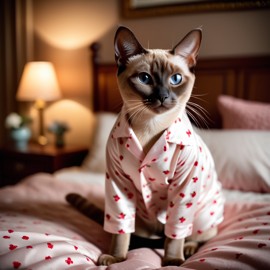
(39, 84)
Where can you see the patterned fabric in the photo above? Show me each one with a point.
(175, 183)
(39, 230)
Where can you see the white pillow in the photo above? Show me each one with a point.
(242, 158)
(95, 161)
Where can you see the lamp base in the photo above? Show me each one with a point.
(42, 140)
(40, 105)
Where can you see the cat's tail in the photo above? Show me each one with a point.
(85, 207)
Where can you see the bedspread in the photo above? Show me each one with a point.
(39, 230)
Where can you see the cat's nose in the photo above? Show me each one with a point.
(162, 98)
(161, 94)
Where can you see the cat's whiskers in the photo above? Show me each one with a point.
(198, 97)
(133, 112)
(194, 119)
(199, 112)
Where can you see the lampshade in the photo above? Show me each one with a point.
(38, 82)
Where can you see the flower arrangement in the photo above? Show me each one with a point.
(58, 127)
(15, 121)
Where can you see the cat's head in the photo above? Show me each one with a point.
(155, 81)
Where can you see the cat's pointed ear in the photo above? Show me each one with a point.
(189, 46)
(126, 45)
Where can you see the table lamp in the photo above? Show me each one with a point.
(39, 84)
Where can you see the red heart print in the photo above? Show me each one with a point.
(174, 235)
(130, 195)
(69, 261)
(6, 237)
(256, 231)
(108, 216)
(195, 179)
(122, 216)
(166, 172)
(10, 231)
(188, 205)
(182, 219)
(193, 194)
(12, 247)
(202, 260)
(116, 198)
(25, 237)
(261, 245)
(182, 195)
(50, 245)
(121, 231)
(16, 264)
(48, 258)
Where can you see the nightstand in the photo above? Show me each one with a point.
(15, 164)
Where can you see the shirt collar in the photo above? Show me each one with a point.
(180, 132)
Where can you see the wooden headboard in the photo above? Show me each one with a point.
(243, 77)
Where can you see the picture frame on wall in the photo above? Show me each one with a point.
(132, 9)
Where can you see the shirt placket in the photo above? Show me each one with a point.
(155, 154)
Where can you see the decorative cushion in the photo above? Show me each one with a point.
(241, 114)
(241, 158)
(95, 161)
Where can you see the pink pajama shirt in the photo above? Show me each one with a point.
(174, 183)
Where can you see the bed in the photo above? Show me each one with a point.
(39, 230)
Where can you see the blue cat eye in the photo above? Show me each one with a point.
(145, 78)
(176, 79)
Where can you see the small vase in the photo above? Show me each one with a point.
(20, 137)
(59, 140)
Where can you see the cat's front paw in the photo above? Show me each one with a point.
(106, 259)
(190, 248)
(172, 261)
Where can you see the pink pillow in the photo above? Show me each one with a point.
(241, 114)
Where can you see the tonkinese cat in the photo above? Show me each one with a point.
(160, 176)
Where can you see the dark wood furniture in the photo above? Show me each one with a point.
(242, 77)
(15, 164)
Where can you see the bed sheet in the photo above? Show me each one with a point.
(39, 230)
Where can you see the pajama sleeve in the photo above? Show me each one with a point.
(120, 197)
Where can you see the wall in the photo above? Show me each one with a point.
(63, 30)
